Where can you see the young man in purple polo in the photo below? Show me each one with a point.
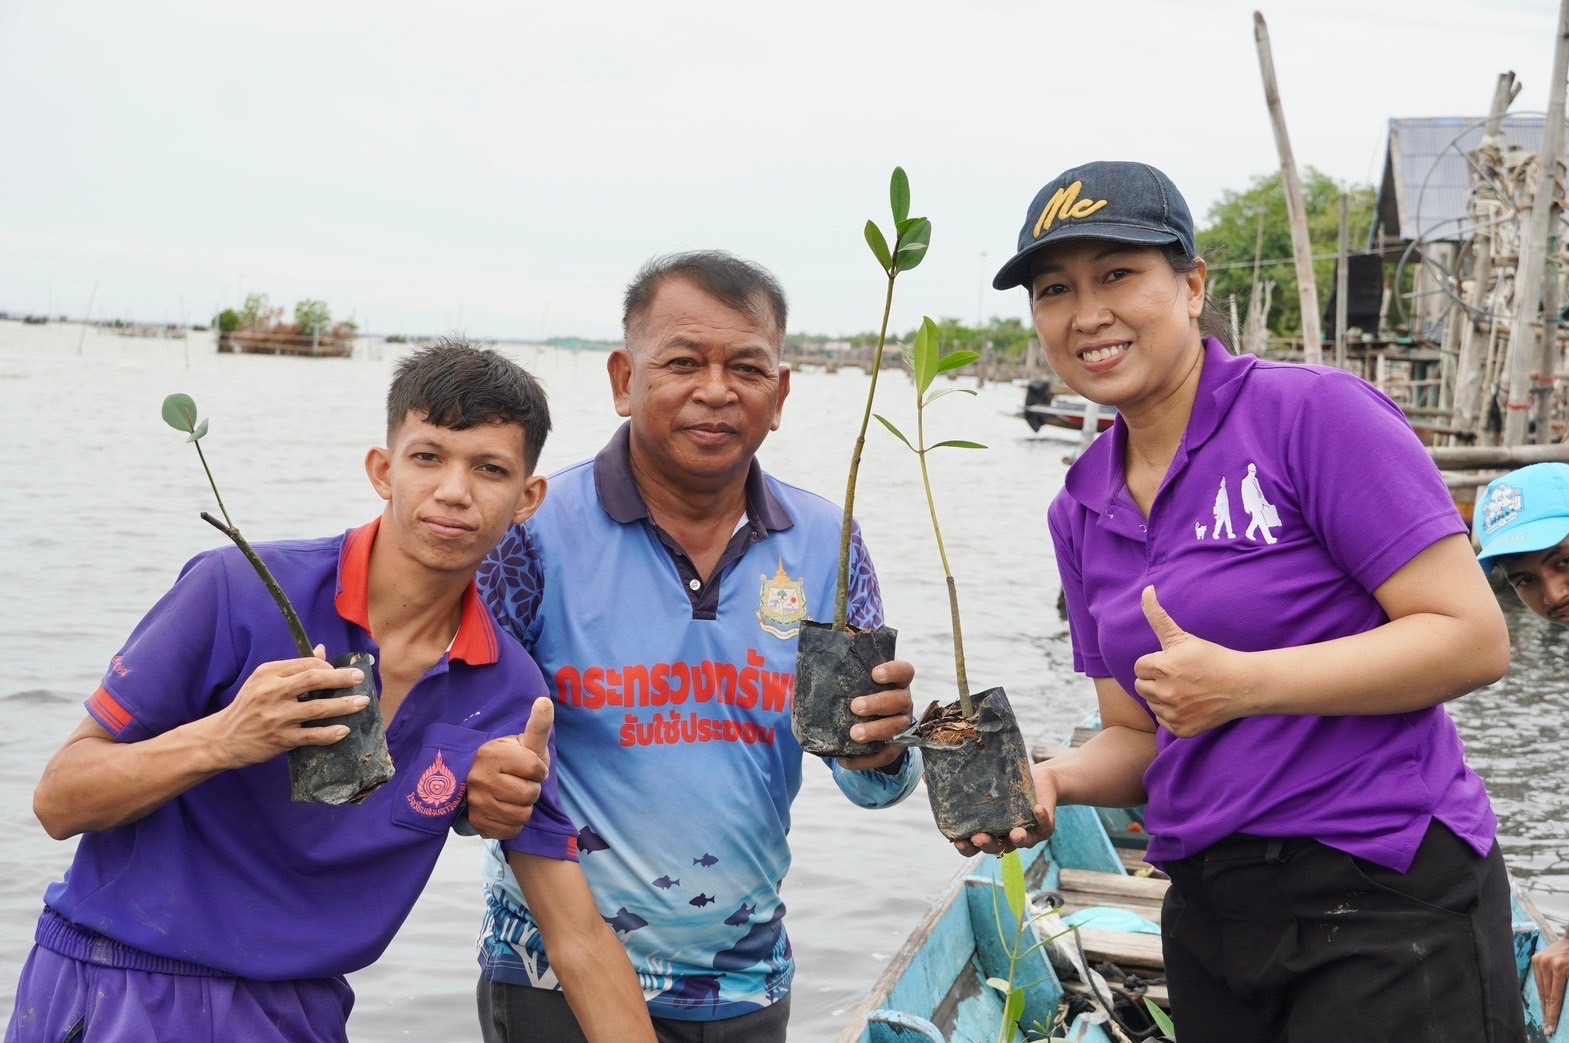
(1522, 525)
(202, 904)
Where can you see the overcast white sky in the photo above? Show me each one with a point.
(505, 167)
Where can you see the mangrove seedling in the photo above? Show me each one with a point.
(912, 235)
(977, 768)
(834, 661)
(927, 363)
(355, 766)
(1019, 920)
(179, 412)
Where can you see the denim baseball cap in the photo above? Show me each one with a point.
(1525, 510)
(1121, 201)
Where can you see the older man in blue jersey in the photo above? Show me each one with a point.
(643, 589)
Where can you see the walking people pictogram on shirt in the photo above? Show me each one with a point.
(1263, 513)
(1222, 513)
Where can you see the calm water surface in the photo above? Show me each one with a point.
(101, 503)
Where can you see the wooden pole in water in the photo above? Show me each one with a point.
(1475, 335)
(87, 318)
(1523, 352)
(1342, 280)
(1301, 248)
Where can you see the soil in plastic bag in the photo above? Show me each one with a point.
(977, 772)
(353, 768)
(833, 667)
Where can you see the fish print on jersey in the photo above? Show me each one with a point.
(625, 921)
(706, 860)
(702, 900)
(695, 992)
(764, 942)
(588, 840)
(741, 915)
(665, 883)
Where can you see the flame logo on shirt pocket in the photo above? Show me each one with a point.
(438, 791)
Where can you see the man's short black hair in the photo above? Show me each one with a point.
(738, 284)
(453, 384)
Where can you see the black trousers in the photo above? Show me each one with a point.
(523, 1014)
(1290, 940)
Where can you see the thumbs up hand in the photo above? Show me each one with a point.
(508, 775)
(1191, 685)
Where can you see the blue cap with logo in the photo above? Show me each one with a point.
(1116, 200)
(1525, 510)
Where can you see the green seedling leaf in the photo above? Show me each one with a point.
(1014, 1008)
(899, 194)
(901, 229)
(957, 360)
(925, 353)
(179, 412)
(998, 984)
(1162, 1019)
(912, 247)
(896, 432)
(1013, 883)
(935, 395)
(879, 245)
(957, 443)
(196, 436)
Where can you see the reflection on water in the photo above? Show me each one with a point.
(101, 503)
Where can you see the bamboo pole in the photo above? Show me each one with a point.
(1476, 335)
(1547, 362)
(1301, 248)
(1523, 353)
(1342, 281)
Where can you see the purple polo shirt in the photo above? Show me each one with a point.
(232, 875)
(1296, 492)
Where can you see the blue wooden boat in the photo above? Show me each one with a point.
(935, 988)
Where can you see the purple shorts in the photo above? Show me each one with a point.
(108, 996)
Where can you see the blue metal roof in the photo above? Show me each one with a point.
(1426, 185)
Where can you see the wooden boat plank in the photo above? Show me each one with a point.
(1128, 951)
(1114, 885)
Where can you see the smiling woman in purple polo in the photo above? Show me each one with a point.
(1270, 665)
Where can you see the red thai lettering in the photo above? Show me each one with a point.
(569, 687)
(778, 692)
(593, 688)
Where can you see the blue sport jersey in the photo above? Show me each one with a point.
(673, 727)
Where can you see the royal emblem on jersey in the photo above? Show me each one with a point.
(437, 792)
(1503, 506)
(781, 605)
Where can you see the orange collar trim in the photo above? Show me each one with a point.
(475, 642)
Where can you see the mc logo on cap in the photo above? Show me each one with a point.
(1066, 204)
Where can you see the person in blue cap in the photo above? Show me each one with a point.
(1522, 525)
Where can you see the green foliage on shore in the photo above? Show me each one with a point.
(1228, 240)
(312, 316)
(1007, 338)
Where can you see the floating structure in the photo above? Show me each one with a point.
(331, 344)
